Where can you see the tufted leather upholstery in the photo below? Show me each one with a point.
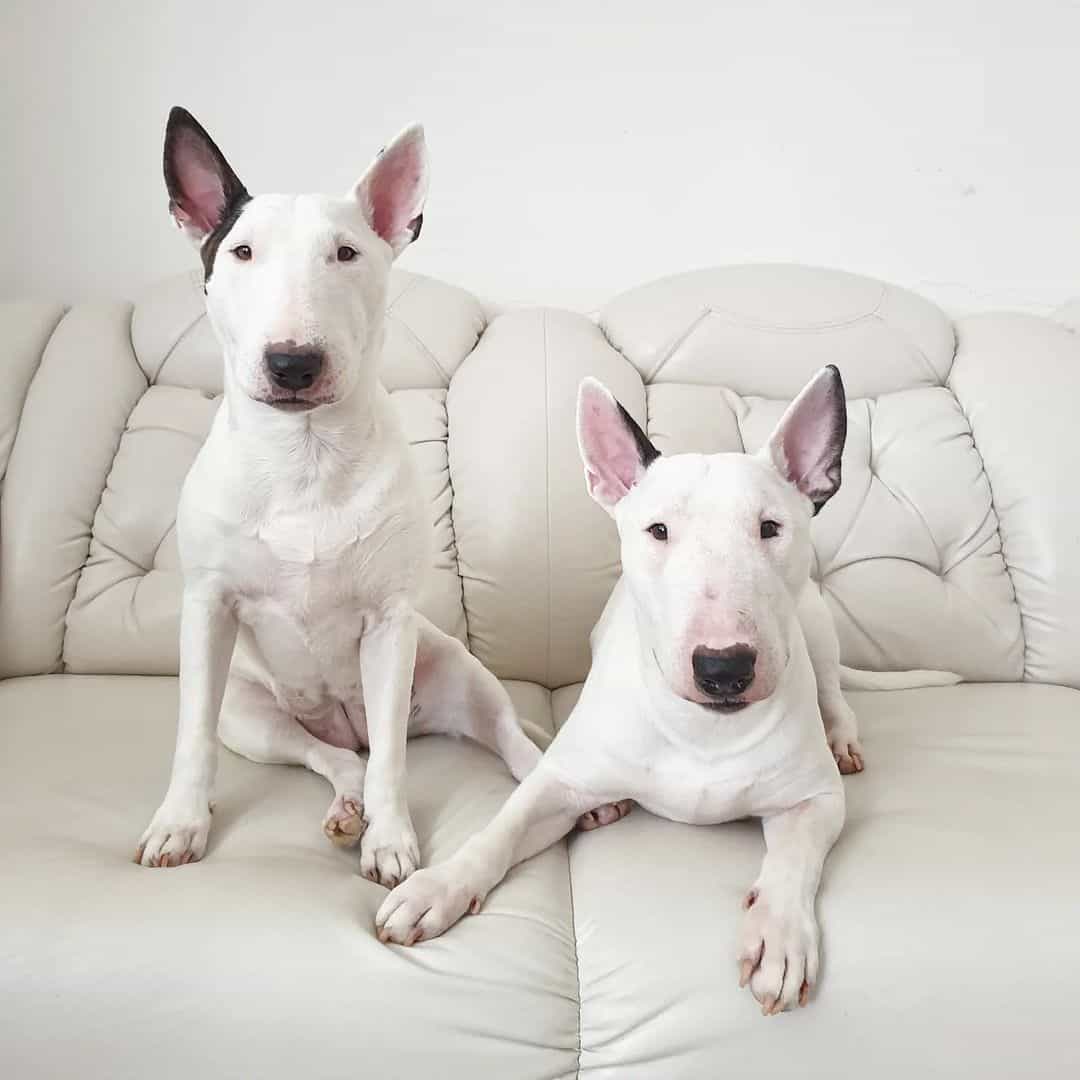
(952, 544)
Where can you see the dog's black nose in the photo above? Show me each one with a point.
(724, 673)
(293, 368)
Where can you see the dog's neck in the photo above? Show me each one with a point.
(303, 451)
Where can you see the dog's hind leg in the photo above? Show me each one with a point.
(256, 727)
(841, 727)
(455, 694)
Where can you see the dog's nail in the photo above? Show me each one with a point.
(767, 1004)
(474, 906)
(750, 899)
(804, 993)
(415, 936)
(745, 972)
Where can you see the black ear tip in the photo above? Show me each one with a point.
(646, 451)
(178, 116)
(837, 381)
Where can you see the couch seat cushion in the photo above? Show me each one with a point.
(948, 911)
(260, 960)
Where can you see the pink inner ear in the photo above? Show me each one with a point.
(202, 198)
(395, 189)
(612, 460)
(811, 440)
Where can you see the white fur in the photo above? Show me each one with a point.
(303, 537)
(642, 730)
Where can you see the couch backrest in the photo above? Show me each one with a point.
(954, 542)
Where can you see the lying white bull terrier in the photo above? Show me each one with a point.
(303, 537)
(714, 692)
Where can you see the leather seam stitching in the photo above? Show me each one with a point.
(674, 347)
(937, 379)
(453, 525)
(547, 486)
(91, 528)
(172, 348)
(443, 375)
(574, 940)
(998, 529)
(808, 328)
(401, 295)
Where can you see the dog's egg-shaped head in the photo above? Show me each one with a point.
(716, 548)
(295, 284)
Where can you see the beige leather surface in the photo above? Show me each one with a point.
(1015, 377)
(535, 568)
(84, 390)
(765, 329)
(122, 400)
(28, 325)
(259, 961)
(953, 543)
(912, 555)
(948, 911)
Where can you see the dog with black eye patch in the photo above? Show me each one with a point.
(714, 692)
(303, 536)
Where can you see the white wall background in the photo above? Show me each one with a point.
(578, 147)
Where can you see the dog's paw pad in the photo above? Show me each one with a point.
(607, 814)
(848, 754)
(344, 822)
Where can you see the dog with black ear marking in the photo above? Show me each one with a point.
(302, 533)
(714, 692)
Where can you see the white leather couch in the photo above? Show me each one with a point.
(950, 905)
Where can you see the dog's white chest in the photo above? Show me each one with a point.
(300, 538)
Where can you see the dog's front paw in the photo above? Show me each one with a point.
(344, 822)
(389, 852)
(778, 951)
(176, 835)
(426, 905)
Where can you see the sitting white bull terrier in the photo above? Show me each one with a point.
(302, 533)
(714, 692)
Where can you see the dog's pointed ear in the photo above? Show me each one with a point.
(808, 442)
(203, 189)
(392, 192)
(615, 451)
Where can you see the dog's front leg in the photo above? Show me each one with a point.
(179, 830)
(778, 949)
(541, 810)
(388, 850)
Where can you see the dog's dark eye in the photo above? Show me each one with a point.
(658, 531)
(346, 253)
(242, 252)
(769, 529)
